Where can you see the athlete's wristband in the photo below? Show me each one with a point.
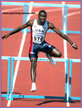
(73, 44)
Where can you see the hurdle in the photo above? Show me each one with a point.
(25, 6)
(8, 77)
(11, 63)
(70, 77)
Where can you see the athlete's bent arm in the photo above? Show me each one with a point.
(51, 26)
(29, 23)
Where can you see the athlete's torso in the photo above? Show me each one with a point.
(39, 32)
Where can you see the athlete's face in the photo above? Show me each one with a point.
(42, 17)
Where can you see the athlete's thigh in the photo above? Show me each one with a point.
(34, 50)
(46, 47)
(51, 50)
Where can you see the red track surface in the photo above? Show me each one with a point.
(50, 79)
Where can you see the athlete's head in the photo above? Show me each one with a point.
(42, 16)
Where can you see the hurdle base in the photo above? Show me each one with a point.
(74, 98)
(40, 97)
(34, 97)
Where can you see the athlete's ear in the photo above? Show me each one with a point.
(38, 16)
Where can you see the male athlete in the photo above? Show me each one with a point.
(39, 28)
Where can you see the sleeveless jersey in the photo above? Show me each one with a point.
(38, 32)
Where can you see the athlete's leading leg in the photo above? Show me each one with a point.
(33, 72)
(50, 51)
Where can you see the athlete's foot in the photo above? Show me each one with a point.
(33, 87)
(51, 59)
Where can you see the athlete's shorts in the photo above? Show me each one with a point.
(36, 48)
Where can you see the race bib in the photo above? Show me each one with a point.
(38, 39)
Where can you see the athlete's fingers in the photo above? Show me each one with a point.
(75, 46)
(3, 37)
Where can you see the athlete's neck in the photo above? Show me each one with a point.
(40, 23)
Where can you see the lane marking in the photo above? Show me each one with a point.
(74, 13)
(65, 56)
(13, 9)
(19, 54)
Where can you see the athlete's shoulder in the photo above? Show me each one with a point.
(51, 25)
(30, 22)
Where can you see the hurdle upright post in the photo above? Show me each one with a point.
(12, 70)
(8, 78)
(65, 12)
(70, 75)
(66, 79)
(25, 10)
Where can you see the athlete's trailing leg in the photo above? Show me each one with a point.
(33, 73)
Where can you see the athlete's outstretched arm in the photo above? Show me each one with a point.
(29, 23)
(51, 26)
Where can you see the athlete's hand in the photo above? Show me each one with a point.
(74, 46)
(5, 36)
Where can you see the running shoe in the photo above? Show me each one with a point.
(51, 59)
(33, 87)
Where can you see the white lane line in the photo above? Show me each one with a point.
(73, 13)
(13, 9)
(65, 57)
(19, 54)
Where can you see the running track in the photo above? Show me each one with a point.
(50, 79)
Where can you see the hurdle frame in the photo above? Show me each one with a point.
(64, 6)
(32, 96)
(11, 63)
(70, 78)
